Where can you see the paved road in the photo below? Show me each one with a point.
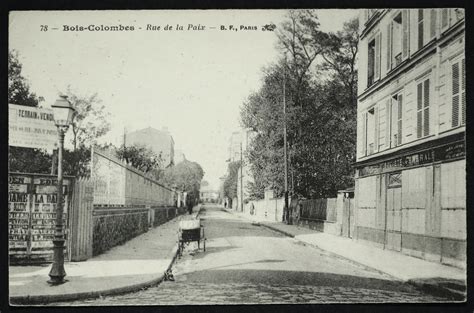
(246, 263)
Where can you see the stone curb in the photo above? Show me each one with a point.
(430, 288)
(44, 299)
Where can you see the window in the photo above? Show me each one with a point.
(370, 131)
(458, 93)
(444, 18)
(433, 23)
(423, 109)
(450, 17)
(397, 40)
(373, 61)
(394, 180)
(371, 12)
(420, 28)
(396, 117)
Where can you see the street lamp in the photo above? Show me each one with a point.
(63, 114)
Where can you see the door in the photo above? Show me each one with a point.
(393, 227)
(345, 217)
(348, 220)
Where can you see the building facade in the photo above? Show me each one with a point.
(160, 141)
(239, 143)
(410, 185)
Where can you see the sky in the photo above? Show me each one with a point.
(191, 81)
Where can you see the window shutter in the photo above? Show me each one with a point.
(419, 117)
(377, 56)
(400, 117)
(387, 123)
(463, 89)
(455, 94)
(389, 47)
(405, 34)
(426, 117)
(420, 28)
(433, 23)
(364, 133)
(376, 129)
(444, 18)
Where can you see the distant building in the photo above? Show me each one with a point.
(160, 141)
(410, 188)
(239, 143)
(207, 193)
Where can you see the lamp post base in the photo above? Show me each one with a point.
(57, 272)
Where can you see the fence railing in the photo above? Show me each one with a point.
(318, 209)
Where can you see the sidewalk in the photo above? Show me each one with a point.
(431, 276)
(138, 263)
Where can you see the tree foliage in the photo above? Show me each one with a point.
(141, 158)
(320, 78)
(185, 176)
(90, 121)
(18, 87)
(230, 182)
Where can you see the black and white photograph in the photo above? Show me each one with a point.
(236, 157)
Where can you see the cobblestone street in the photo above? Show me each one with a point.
(245, 263)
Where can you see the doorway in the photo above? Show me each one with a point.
(393, 222)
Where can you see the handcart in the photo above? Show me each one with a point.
(190, 230)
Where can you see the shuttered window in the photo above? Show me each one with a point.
(387, 123)
(426, 108)
(399, 120)
(433, 23)
(378, 39)
(376, 129)
(420, 28)
(364, 133)
(419, 113)
(371, 63)
(405, 34)
(423, 109)
(389, 47)
(458, 88)
(444, 18)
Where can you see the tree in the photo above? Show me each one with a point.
(20, 159)
(28, 160)
(320, 115)
(18, 87)
(185, 176)
(230, 182)
(91, 119)
(141, 158)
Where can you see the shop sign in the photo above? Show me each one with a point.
(445, 153)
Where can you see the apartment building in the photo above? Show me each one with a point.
(160, 141)
(410, 185)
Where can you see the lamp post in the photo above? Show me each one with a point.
(63, 115)
(285, 152)
(241, 180)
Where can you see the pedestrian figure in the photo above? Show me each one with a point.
(225, 204)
